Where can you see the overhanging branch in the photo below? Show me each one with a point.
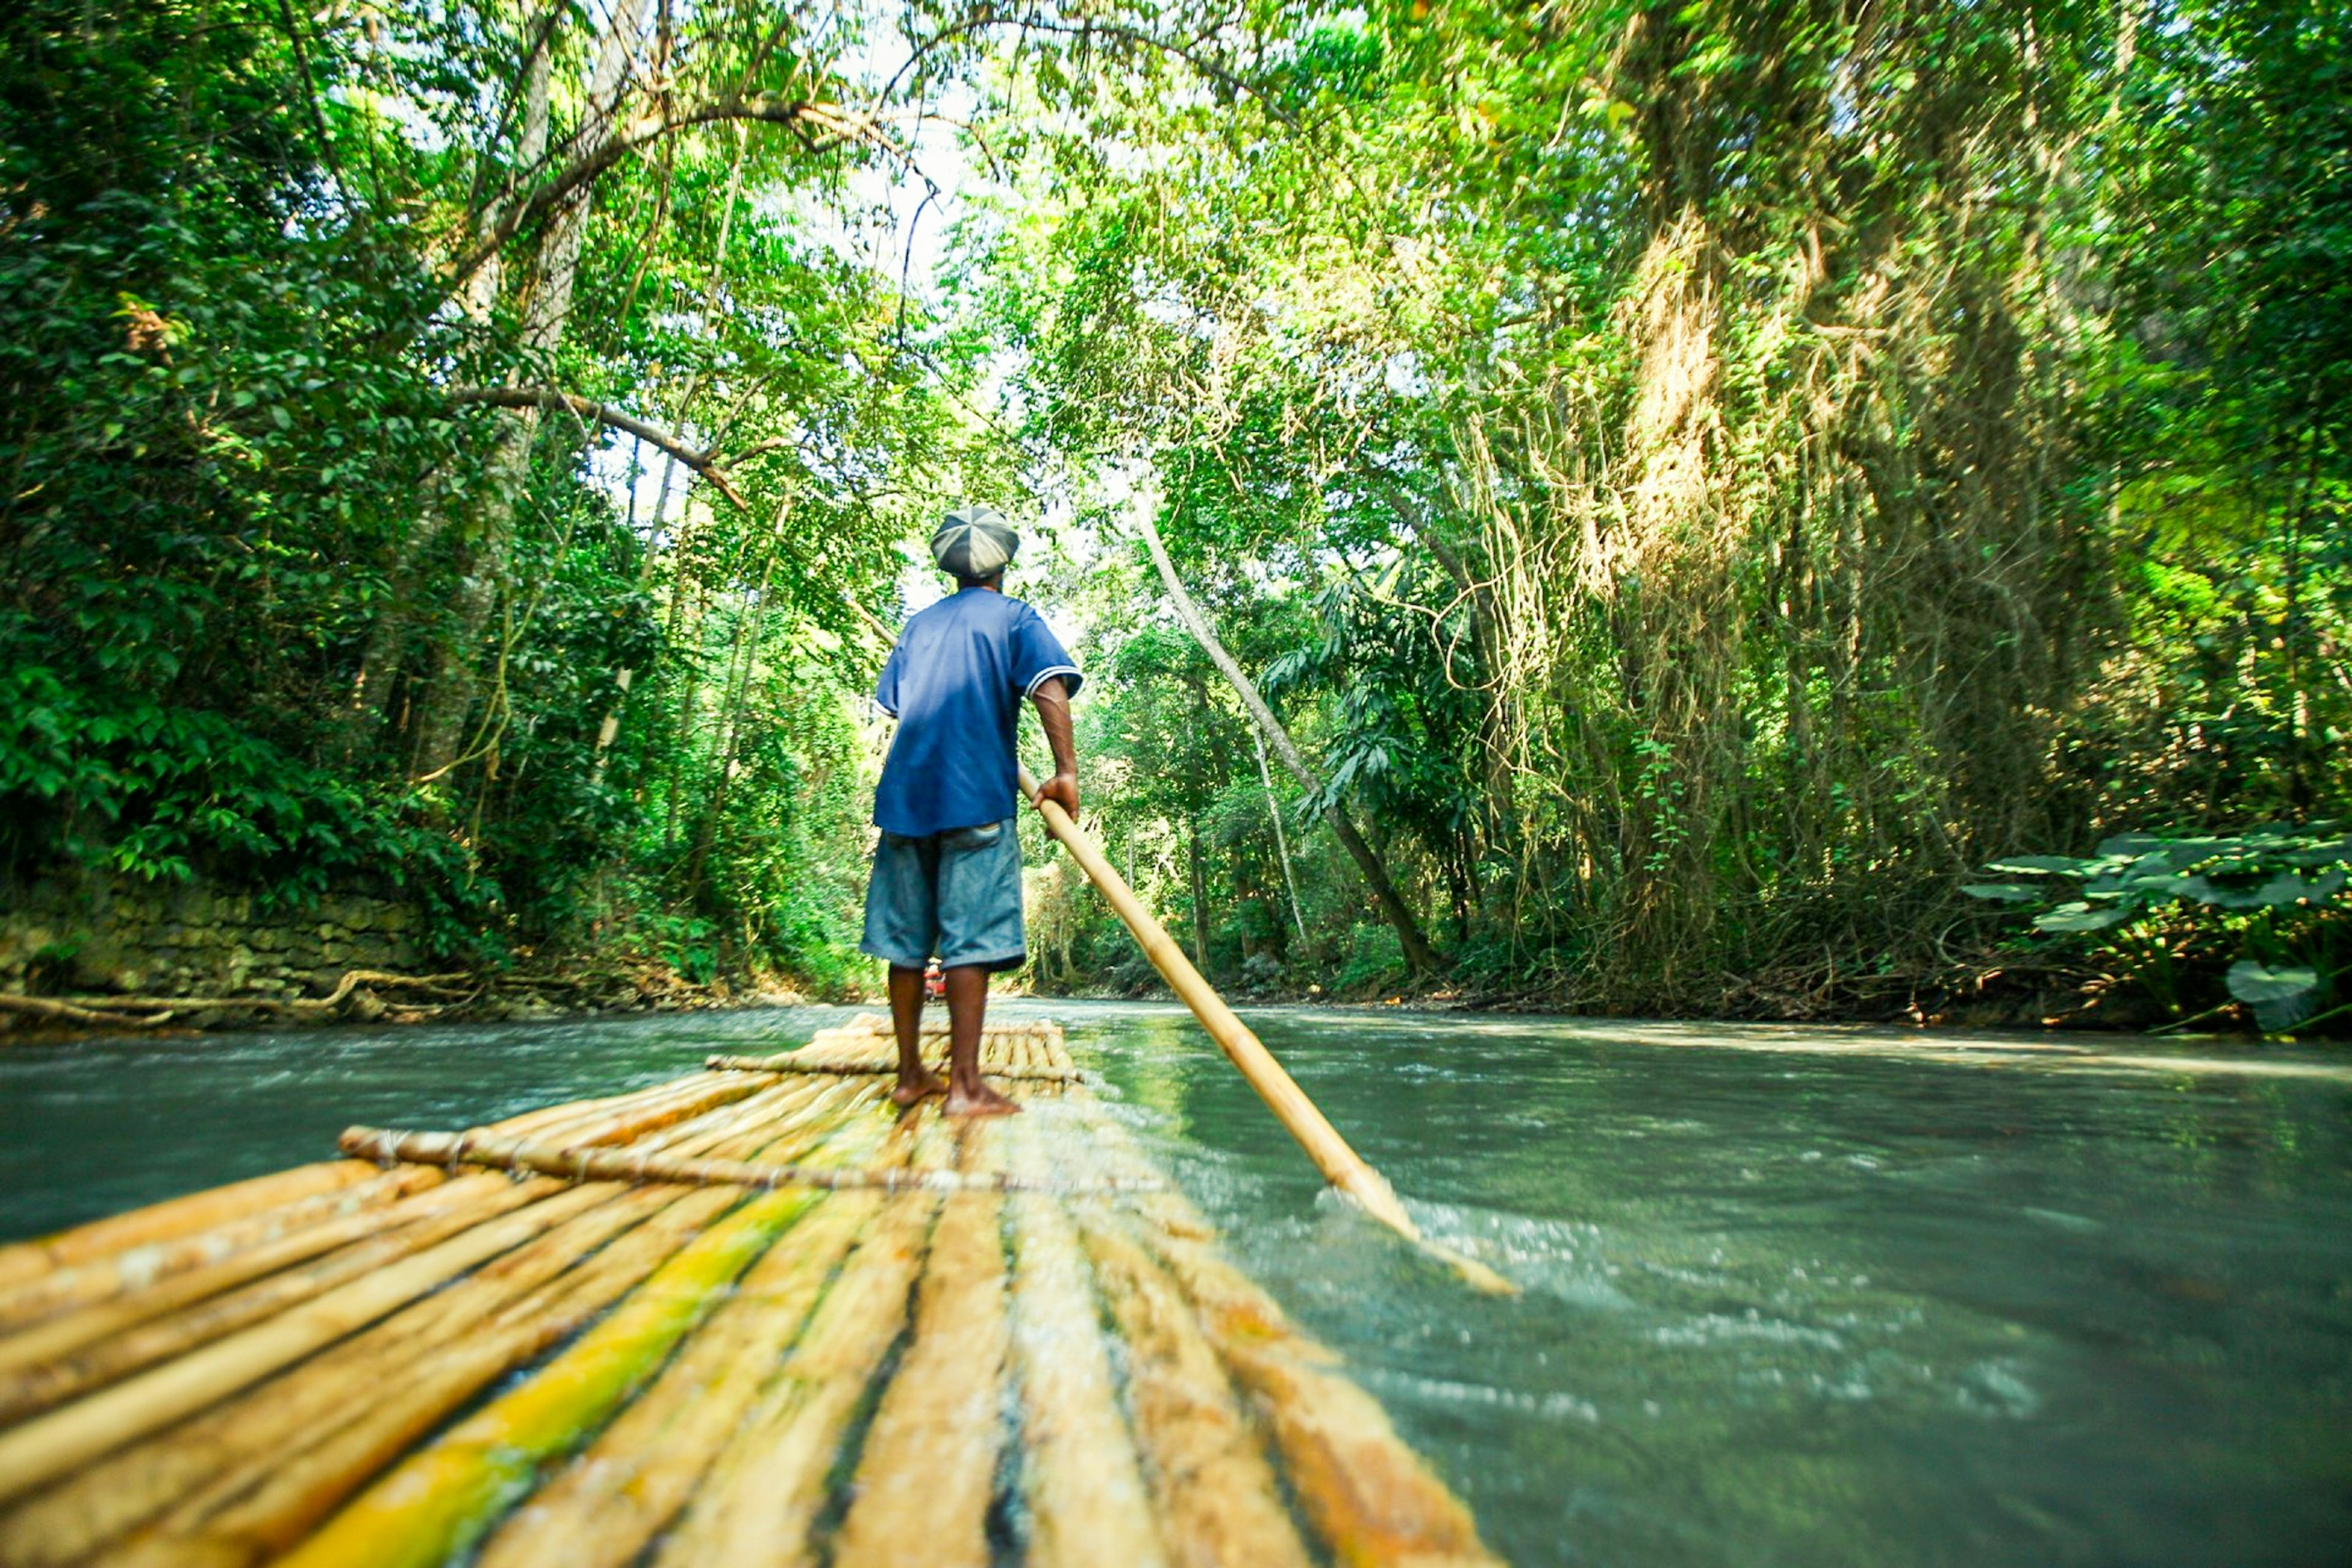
(818, 126)
(554, 400)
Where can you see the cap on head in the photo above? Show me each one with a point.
(974, 541)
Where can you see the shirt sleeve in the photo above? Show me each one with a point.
(886, 690)
(1038, 655)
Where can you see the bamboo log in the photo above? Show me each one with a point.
(444, 1496)
(63, 1440)
(870, 1036)
(436, 1353)
(1369, 1495)
(66, 1357)
(634, 1478)
(28, 1261)
(97, 1261)
(156, 1265)
(1080, 1475)
(238, 1442)
(693, 1098)
(764, 1491)
(452, 1149)
(543, 1121)
(927, 1469)
(262, 1510)
(765, 1484)
(110, 1312)
(633, 1481)
(1216, 1495)
(853, 1067)
(1341, 1164)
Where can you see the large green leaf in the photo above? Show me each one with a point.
(2251, 982)
(2042, 866)
(2081, 917)
(2280, 998)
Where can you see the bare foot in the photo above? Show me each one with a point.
(979, 1101)
(910, 1090)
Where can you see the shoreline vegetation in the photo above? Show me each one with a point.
(1667, 509)
(553, 992)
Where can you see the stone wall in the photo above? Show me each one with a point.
(100, 934)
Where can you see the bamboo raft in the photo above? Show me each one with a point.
(597, 1335)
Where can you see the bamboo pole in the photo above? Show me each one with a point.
(35, 1276)
(98, 1261)
(583, 1165)
(1215, 1493)
(294, 1496)
(1341, 1164)
(64, 1358)
(244, 1438)
(264, 1508)
(151, 1264)
(853, 1066)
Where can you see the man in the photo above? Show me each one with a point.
(947, 873)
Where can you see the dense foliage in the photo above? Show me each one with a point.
(1695, 483)
(1709, 478)
(302, 593)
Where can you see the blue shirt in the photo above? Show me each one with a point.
(955, 683)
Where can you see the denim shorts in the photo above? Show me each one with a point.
(955, 894)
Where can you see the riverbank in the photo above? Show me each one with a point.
(586, 989)
(551, 987)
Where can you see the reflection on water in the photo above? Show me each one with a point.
(1785, 1305)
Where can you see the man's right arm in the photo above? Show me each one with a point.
(1053, 700)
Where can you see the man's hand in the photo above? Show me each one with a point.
(1063, 790)
(1053, 700)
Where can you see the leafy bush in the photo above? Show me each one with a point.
(1375, 961)
(119, 781)
(2270, 904)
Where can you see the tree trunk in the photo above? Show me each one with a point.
(610, 731)
(743, 661)
(450, 700)
(380, 661)
(1417, 952)
(1200, 898)
(1281, 845)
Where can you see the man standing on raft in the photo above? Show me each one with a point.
(947, 873)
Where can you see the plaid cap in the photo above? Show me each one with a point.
(974, 541)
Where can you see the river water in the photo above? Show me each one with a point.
(1794, 1297)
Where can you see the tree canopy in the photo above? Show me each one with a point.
(1691, 485)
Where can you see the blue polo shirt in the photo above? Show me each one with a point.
(955, 683)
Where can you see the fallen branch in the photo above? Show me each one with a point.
(53, 1008)
(599, 1164)
(147, 1012)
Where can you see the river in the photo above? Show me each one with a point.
(1794, 1297)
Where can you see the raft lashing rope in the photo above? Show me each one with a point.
(956, 1342)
